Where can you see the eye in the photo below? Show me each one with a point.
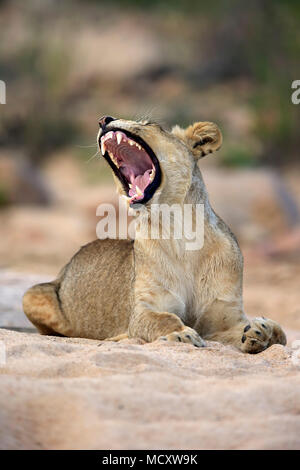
(152, 123)
(149, 123)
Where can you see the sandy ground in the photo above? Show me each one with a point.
(61, 393)
(74, 394)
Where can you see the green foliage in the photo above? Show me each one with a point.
(47, 133)
(4, 199)
(237, 156)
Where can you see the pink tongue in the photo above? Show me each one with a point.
(142, 181)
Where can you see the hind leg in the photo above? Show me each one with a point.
(41, 304)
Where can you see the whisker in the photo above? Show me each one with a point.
(93, 156)
(152, 114)
(85, 146)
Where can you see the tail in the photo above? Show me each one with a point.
(41, 305)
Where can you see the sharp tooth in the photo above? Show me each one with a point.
(109, 135)
(152, 174)
(111, 156)
(119, 137)
(131, 142)
(139, 147)
(130, 185)
(102, 147)
(138, 191)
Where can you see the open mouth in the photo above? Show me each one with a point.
(133, 162)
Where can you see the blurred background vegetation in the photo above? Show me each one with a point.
(67, 63)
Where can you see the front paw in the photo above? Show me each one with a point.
(187, 335)
(261, 333)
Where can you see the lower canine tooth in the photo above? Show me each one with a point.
(152, 175)
(138, 191)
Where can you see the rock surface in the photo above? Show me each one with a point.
(64, 393)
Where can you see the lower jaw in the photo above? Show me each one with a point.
(134, 202)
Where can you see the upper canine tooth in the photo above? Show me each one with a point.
(119, 137)
(103, 147)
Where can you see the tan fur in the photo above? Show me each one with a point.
(156, 289)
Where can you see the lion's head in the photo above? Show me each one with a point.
(151, 164)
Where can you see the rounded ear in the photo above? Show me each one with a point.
(201, 138)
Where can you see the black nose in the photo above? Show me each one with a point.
(105, 120)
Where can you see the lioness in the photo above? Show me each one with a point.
(155, 288)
